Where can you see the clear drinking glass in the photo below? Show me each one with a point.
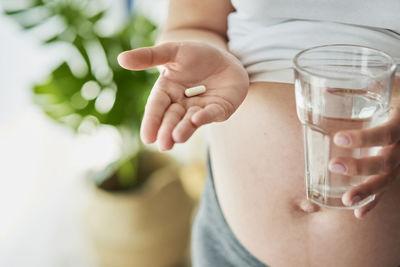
(339, 87)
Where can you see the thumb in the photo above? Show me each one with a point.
(147, 57)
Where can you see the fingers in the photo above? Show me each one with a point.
(387, 160)
(171, 118)
(196, 117)
(147, 57)
(373, 185)
(361, 212)
(180, 131)
(185, 128)
(156, 106)
(179, 125)
(385, 134)
(211, 113)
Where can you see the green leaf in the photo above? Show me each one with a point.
(67, 35)
(30, 17)
(51, 40)
(33, 4)
(97, 17)
(13, 12)
(56, 95)
(60, 96)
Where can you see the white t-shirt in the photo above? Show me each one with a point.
(266, 34)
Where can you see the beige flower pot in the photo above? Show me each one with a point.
(147, 227)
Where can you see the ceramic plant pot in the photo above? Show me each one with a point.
(148, 226)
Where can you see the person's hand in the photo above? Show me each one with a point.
(170, 117)
(382, 170)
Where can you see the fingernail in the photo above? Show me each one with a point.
(355, 200)
(162, 148)
(120, 58)
(338, 167)
(342, 140)
(358, 214)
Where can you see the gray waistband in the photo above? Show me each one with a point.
(213, 242)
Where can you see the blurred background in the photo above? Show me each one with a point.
(77, 186)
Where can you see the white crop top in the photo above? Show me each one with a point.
(266, 34)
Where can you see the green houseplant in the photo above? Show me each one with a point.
(96, 91)
(138, 204)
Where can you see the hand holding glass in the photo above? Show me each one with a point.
(339, 87)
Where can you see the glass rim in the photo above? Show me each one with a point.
(297, 67)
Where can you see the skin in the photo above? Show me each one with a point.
(264, 129)
(258, 166)
(384, 169)
(170, 117)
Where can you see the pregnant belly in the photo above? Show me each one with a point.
(258, 164)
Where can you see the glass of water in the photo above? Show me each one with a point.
(339, 87)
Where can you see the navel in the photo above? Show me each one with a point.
(307, 206)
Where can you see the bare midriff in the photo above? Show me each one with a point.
(258, 167)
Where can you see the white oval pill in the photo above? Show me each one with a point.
(193, 91)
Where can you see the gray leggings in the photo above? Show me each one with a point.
(213, 243)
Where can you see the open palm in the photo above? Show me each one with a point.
(170, 117)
